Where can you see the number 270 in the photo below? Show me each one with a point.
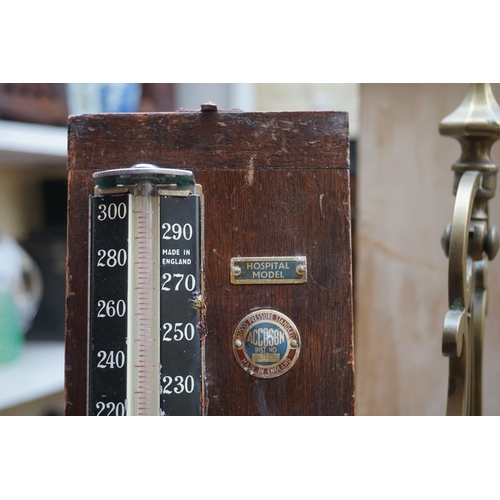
(189, 282)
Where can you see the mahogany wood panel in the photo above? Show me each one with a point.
(273, 184)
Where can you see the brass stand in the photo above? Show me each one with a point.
(469, 242)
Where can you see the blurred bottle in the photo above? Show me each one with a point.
(103, 97)
(21, 291)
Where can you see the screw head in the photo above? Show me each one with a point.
(208, 106)
(301, 269)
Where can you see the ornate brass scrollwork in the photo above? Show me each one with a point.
(469, 242)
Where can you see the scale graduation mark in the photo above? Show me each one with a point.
(145, 293)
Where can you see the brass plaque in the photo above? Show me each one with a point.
(268, 270)
(266, 343)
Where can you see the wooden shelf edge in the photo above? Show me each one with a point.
(38, 372)
(28, 144)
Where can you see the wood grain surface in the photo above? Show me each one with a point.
(274, 184)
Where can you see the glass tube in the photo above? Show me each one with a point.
(143, 391)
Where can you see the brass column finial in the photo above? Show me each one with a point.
(469, 242)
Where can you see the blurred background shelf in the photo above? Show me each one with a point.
(36, 375)
(32, 198)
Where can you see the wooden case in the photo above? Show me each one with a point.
(274, 184)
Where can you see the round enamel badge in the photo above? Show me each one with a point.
(266, 343)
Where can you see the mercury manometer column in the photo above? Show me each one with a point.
(145, 289)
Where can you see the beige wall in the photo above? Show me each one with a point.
(310, 96)
(404, 202)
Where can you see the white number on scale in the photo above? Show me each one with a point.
(177, 231)
(114, 258)
(117, 409)
(179, 333)
(109, 309)
(181, 384)
(109, 360)
(188, 281)
(112, 211)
